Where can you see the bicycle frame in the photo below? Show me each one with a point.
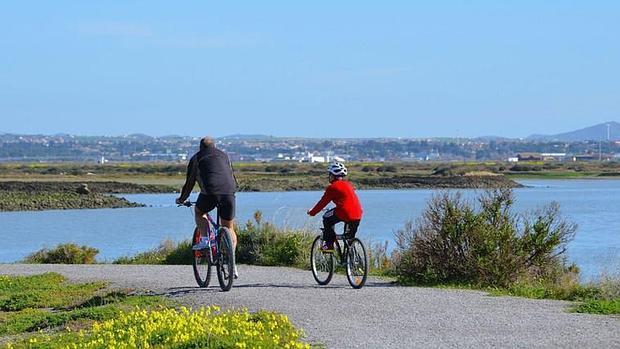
(212, 228)
(342, 252)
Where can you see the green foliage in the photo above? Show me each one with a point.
(68, 253)
(526, 168)
(454, 242)
(115, 319)
(262, 243)
(31, 303)
(567, 288)
(168, 252)
(183, 328)
(379, 262)
(43, 291)
(30, 320)
(599, 306)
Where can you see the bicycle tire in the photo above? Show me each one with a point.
(201, 263)
(357, 264)
(322, 264)
(226, 260)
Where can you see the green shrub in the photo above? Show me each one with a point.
(525, 168)
(168, 252)
(599, 306)
(379, 262)
(453, 242)
(68, 253)
(263, 243)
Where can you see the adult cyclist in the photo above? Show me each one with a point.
(212, 168)
(348, 208)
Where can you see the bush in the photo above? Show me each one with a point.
(259, 243)
(388, 168)
(455, 243)
(263, 243)
(69, 253)
(379, 261)
(368, 169)
(168, 252)
(525, 168)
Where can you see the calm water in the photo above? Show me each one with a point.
(592, 204)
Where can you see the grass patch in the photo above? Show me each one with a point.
(119, 320)
(48, 302)
(48, 290)
(183, 328)
(599, 306)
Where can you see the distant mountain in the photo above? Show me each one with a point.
(592, 133)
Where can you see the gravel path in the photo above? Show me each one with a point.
(378, 316)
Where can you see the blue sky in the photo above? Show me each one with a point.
(317, 69)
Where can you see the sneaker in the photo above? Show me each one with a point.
(202, 245)
(327, 247)
(235, 272)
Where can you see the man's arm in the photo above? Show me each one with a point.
(233, 174)
(190, 181)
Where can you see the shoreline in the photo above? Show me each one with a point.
(50, 195)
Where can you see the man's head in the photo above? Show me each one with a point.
(206, 142)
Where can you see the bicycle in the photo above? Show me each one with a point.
(219, 253)
(352, 256)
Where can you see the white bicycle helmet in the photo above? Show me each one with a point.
(337, 169)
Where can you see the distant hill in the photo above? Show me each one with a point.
(592, 133)
(246, 137)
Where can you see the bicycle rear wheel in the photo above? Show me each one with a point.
(201, 263)
(226, 261)
(357, 264)
(322, 264)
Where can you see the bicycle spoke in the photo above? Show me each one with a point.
(356, 264)
(321, 263)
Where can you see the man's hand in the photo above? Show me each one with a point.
(310, 214)
(178, 201)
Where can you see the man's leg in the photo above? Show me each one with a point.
(204, 204)
(230, 225)
(226, 212)
(201, 221)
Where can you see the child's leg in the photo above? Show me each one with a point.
(329, 220)
(352, 229)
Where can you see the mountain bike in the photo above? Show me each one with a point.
(351, 255)
(219, 253)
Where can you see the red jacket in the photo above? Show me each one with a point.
(342, 193)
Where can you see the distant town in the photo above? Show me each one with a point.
(143, 148)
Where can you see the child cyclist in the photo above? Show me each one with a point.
(348, 208)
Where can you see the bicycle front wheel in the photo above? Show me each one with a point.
(357, 264)
(226, 260)
(322, 263)
(201, 263)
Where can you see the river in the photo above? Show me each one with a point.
(592, 204)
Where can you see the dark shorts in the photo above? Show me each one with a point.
(330, 219)
(225, 204)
